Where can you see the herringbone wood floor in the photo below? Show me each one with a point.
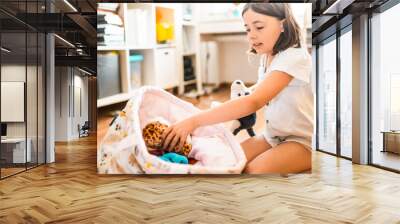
(70, 191)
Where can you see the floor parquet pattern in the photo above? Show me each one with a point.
(70, 191)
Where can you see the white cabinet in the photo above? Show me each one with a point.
(17, 148)
(161, 68)
(165, 67)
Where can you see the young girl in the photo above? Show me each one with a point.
(283, 88)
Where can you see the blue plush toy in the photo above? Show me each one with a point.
(174, 158)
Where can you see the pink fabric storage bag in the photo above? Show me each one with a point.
(212, 151)
(149, 103)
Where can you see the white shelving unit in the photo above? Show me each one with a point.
(123, 53)
(163, 62)
(191, 50)
(113, 99)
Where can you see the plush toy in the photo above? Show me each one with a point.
(238, 89)
(152, 134)
(174, 158)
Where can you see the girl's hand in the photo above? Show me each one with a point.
(177, 133)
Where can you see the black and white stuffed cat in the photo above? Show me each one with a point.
(238, 89)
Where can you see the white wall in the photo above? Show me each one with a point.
(80, 84)
(67, 115)
(17, 73)
(234, 62)
(231, 61)
(33, 127)
(61, 103)
(14, 73)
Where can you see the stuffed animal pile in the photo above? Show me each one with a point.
(152, 136)
(152, 132)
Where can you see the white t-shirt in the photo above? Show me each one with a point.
(291, 112)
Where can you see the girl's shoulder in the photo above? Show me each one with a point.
(296, 62)
(292, 57)
(294, 53)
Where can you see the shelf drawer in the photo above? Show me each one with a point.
(166, 68)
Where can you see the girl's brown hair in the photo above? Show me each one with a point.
(282, 11)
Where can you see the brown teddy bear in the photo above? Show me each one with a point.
(152, 136)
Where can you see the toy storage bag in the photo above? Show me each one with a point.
(123, 150)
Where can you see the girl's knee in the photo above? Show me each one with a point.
(252, 168)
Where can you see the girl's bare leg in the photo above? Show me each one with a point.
(254, 146)
(288, 157)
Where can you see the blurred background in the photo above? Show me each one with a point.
(174, 46)
(192, 50)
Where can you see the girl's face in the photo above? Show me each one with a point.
(262, 31)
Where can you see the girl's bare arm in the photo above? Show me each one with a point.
(233, 109)
(253, 87)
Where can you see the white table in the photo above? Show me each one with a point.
(19, 149)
